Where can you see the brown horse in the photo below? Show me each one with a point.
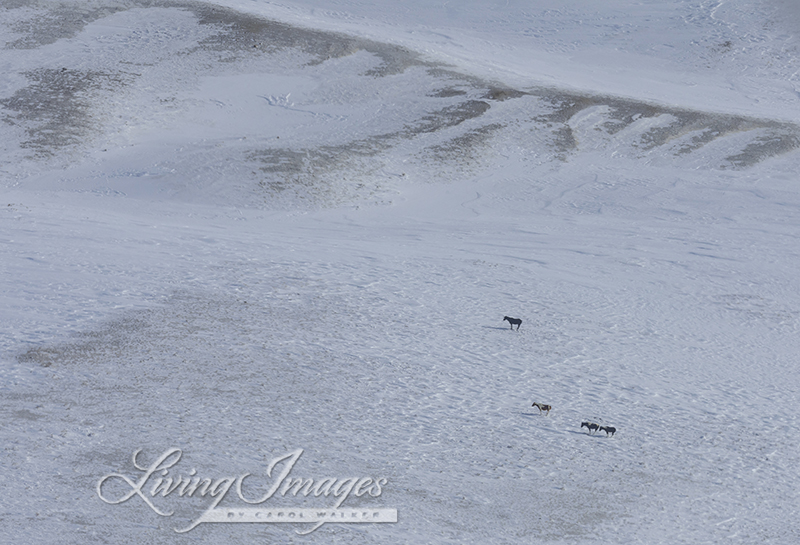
(542, 407)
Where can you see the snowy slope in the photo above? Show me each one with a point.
(245, 228)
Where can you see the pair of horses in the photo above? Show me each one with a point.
(591, 426)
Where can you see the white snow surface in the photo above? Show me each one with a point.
(242, 228)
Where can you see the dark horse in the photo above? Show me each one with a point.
(608, 429)
(513, 321)
(591, 425)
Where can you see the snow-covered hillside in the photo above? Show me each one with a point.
(243, 229)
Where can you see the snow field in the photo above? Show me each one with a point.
(325, 351)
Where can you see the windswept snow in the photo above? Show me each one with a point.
(240, 229)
